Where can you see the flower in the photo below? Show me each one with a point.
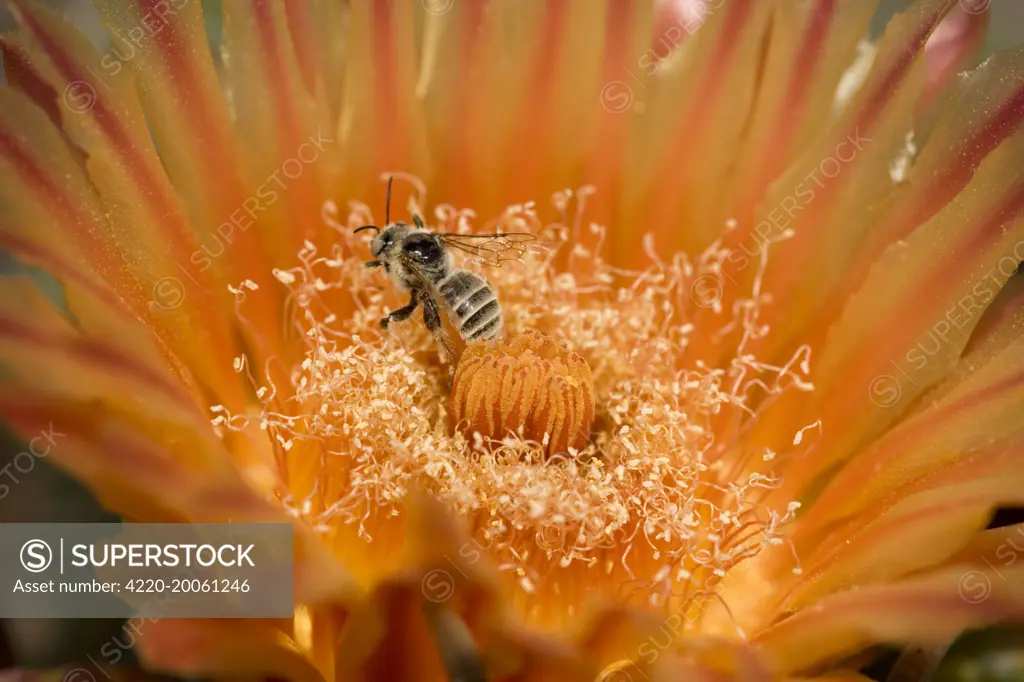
(784, 259)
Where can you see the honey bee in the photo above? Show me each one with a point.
(420, 262)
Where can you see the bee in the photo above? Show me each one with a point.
(420, 262)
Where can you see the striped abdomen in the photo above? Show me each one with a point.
(472, 305)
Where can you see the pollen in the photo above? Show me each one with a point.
(529, 386)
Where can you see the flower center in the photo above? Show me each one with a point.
(613, 469)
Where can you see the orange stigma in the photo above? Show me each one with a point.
(528, 385)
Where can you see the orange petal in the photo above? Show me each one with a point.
(52, 216)
(273, 104)
(993, 549)
(669, 17)
(951, 48)
(97, 311)
(691, 132)
(829, 197)
(919, 531)
(700, 658)
(556, 90)
(23, 77)
(811, 46)
(399, 614)
(380, 83)
(524, 655)
(223, 648)
(1002, 322)
(82, 671)
(509, 88)
(623, 638)
(984, 110)
(127, 472)
(928, 609)
(103, 118)
(981, 112)
(130, 431)
(624, 37)
(922, 523)
(981, 405)
(320, 576)
(43, 353)
(391, 637)
(136, 475)
(166, 49)
(445, 600)
(833, 677)
(934, 286)
(810, 49)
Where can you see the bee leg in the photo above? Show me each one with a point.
(373, 264)
(401, 314)
(432, 318)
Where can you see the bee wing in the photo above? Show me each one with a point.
(492, 249)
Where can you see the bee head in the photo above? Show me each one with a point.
(388, 240)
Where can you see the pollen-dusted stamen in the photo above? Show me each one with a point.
(530, 385)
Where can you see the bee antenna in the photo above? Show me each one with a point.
(387, 202)
(366, 227)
